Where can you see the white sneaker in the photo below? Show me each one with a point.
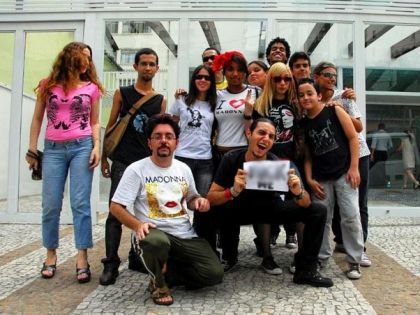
(354, 272)
(365, 262)
(269, 266)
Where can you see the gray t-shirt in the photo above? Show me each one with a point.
(196, 122)
(159, 195)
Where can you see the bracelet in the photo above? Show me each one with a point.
(228, 194)
(247, 117)
(233, 192)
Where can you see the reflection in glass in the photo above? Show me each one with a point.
(7, 41)
(122, 40)
(38, 61)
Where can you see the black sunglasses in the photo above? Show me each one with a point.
(329, 75)
(205, 59)
(202, 76)
(278, 79)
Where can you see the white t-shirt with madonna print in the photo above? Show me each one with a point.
(196, 122)
(159, 195)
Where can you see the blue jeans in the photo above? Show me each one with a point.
(60, 158)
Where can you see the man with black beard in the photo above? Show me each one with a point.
(160, 188)
(132, 147)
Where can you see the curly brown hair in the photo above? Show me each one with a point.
(66, 69)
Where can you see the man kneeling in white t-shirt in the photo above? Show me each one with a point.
(161, 189)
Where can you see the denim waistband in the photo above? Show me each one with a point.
(67, 142)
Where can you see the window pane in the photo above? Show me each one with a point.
(7, 41)
(38, 63)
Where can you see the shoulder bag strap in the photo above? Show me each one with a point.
(140, 102)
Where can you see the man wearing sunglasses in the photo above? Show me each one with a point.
(208, 57)
(325, 75)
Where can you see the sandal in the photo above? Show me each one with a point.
(158, 294)
(83, 271)
(49, 268)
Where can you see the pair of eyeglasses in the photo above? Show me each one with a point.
(280, 78)
(202, 76)
(329, 75)
(207, 58)
(145, 64)
(160, 137)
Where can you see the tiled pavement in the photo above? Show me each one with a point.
(390, 286)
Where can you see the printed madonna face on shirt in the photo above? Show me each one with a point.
(146, 67)
(166, 196)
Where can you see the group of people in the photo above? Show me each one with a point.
(193, 158)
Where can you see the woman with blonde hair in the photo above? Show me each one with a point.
(70, 97)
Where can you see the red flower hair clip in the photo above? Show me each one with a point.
(221, 60)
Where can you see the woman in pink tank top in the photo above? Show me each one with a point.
(70, 98)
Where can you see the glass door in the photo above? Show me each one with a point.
(30, 52)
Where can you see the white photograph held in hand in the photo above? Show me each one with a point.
(267, 175)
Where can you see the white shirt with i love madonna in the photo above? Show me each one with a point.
(230, 117)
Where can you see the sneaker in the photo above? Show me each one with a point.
(269, 266)
(292, 268)
(365, 262)
(312, 278)
(259, 252)
(354, 272)
(339, 248)
(228, 265)
(291, 241)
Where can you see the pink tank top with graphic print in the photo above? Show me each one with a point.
(69, 115)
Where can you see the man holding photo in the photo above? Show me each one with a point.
(246, 206)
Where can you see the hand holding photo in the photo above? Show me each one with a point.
(267, 175)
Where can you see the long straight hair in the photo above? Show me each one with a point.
(211, 94)
(265, 101)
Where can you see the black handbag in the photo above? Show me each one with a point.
(36, 173)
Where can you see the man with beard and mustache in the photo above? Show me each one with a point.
(132, 147)
(160, 188)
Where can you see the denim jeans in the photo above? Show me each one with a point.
(351, 227)
(202, 171)
(59, 159)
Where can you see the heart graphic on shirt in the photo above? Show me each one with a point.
(236, 103)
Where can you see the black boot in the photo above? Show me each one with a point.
(110, 273)
(312, 277)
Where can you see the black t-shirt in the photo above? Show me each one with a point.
(225, 177)
(282, 114)
(328, 145)
(133, 145)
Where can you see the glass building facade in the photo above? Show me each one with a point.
(374, 46)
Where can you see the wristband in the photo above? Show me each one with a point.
(247, 117)
(233, 192)
(228, 194)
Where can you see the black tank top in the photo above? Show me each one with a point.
(328, 145)
(133, 145)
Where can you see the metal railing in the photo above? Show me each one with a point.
(401, 7)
